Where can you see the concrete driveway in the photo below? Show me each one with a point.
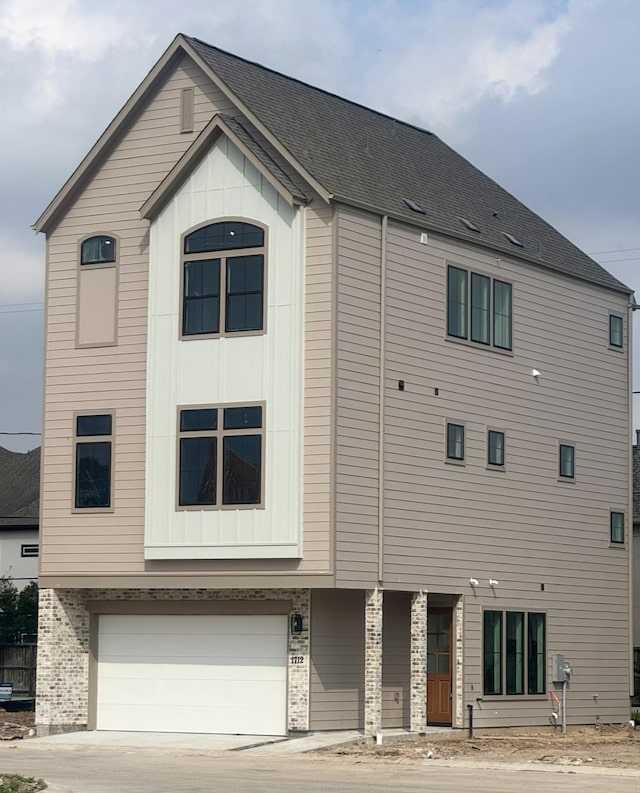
(90, 769)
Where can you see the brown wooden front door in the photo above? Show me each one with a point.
(439, 666)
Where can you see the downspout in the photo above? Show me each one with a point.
(630, 309)
(381, 401)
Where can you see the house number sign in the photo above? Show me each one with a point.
(297, 659)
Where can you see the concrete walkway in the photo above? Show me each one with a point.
(259, 744)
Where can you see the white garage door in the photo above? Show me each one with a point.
(187, 673)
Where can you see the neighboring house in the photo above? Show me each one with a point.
(19, 497)
(636, 570)
(268, 504)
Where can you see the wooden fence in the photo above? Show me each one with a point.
(18, 666)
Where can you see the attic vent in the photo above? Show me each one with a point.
(413, 206)
(471, 226)
(513, 240)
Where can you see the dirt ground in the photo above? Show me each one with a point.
(607, 747)
(16, 725)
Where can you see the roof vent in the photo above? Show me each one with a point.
(513, 240)
(471, 226)
(413, 206)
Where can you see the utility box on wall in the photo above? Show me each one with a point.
(560, 671)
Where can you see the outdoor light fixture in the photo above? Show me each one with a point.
(296, 624)
(474, 581)
(493, 582)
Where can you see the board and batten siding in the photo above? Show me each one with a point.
(545, 541)
(357, 397)
(336, 697)
(258, 368)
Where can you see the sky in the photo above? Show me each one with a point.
(542, 95)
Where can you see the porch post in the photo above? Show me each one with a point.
(419, 662)
(373, 663)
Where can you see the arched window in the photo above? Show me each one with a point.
(223, 293)
(98, 250)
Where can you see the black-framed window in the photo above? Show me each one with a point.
(495, 448)
(479, 308)
(616, 527)
(223, 293)
(220, 456)
(98, 250)
(616, 331)
(566, 461)
(93, 463)
(455, 441)
(514, 652)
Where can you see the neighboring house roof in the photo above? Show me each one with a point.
(19, 488)
(362, 157)
(636, 481)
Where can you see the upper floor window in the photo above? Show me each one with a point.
(98, 250)
(479, 308)
(615, 331)
(495, 448)
(567, 461)
(224, 293)
(220, 456)
(93, 442)
(455, 442)
(616, 527)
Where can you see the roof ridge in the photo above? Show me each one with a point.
(313, 87)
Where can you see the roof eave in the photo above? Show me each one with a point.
(427, 226)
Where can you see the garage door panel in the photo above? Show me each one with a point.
(218, 673)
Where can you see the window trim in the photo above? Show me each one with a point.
(99, 265)
(94, 439)
(497, 466)
(570, 479)
(220, 433)
(24, 548)
(447, 458)
(618, 543)
(223, 255)
(526, 695)
(612, 346)
(466, 338)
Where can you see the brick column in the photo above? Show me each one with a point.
(299, 669)
(458, 682)
(419, 662)
(373, 663)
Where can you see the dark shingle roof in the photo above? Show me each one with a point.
(366, 157)
(19, 488)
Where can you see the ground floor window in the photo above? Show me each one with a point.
(514, 652)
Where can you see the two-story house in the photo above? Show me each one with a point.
(336, 430)
(19, 516)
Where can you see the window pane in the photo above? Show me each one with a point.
(567, 461)
(198, 463)
(202, 278)
(200, 419)
(515, 652)
(223, 237)
(93, 474)
(242, 475)
(496, 448)
(480, 308)
(93, 425)
(98, 250)
(617, 527)
(201, 315)
(536, 653)
(243, 418)
(443, 664)
(492, 636)
(615, 331)
(457, 302)
(244, 293)
(455, 441)
(502, 315)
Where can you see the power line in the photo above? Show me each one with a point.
(616, 250)
(613, 261)
(13, 305)
(23, 311)
(20, 433)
